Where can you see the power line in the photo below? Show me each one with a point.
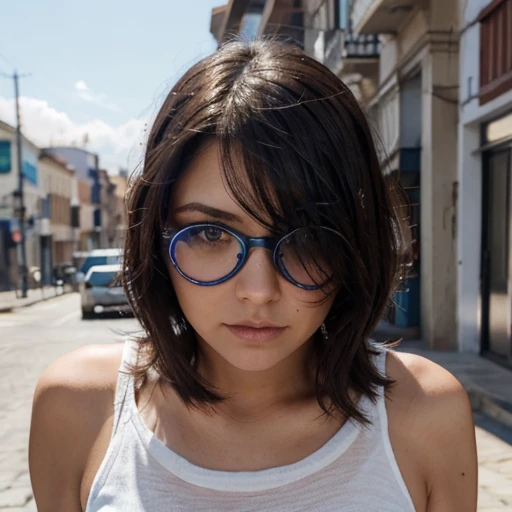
(7, 61)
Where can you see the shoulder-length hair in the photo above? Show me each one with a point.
(308, 151)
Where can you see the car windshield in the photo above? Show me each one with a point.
(92, 261)
(101, 278)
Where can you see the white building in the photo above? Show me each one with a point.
(484, 283)
(9, 205)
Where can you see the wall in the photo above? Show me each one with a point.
(9, 181)
(57, 183)
(412, 34)
(420, 64)
(86, 208)
(469, 211)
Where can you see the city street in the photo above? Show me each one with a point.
(32, 337)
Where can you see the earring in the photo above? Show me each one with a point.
(323, 330)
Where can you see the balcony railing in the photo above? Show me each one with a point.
(362, 46)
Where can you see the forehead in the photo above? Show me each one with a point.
(202, 179)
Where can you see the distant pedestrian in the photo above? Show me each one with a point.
(263, 248)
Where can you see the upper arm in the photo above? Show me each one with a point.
(452, 459)
(71, 403)
(442, 434)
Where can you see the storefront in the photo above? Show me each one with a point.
(496, 259)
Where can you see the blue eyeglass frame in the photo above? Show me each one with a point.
(171, 236)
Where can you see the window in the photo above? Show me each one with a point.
(495, 50)
(5, 156)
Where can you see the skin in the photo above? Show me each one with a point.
(272, 417)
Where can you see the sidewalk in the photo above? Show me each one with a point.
(488, 384)
(489, 387)
(9, 300)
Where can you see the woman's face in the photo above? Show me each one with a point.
(257, 318)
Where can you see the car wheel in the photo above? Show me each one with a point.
(87, 315)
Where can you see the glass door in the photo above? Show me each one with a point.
(496, 256)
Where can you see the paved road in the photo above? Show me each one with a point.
(32, 337)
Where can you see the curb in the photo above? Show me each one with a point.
(8, 309)
(491, 407)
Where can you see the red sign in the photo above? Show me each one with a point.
(16, 237)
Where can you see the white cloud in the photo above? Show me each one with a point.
(99, 99)
(81, 86)
(117, 147)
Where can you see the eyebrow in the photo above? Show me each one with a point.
(210, 211)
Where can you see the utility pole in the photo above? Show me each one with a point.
(19, 193)
(23, 246)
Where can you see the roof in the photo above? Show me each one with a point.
(54, 158)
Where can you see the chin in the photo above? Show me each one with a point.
(252, 362)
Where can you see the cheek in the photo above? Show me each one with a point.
(198, 303)
(311, 300)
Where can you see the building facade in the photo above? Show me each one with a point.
(86, 166)
(56, 230)
(10, 257)
(121, 214)
(108, 210)
(435, 78)
(484, 174)
(416, 109)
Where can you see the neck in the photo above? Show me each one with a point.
(253, 395)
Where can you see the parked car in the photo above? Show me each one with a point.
(85, 260)
(102, 291)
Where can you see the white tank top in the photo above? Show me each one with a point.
(355, 471)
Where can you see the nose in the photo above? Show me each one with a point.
(258, 281)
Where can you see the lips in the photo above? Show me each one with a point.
(256, 332)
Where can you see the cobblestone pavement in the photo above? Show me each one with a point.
(32, 337)
(495, 465)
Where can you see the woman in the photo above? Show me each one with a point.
(263, 248)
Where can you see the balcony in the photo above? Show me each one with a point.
(495, 50)
(379, 16)
(361, 56)
(362, 47)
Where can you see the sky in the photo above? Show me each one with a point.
(98, 70)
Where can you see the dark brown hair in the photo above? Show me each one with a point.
(308, 151)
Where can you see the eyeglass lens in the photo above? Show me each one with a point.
(210, 253)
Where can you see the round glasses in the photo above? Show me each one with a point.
(207, 254)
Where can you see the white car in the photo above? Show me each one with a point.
(102, 292)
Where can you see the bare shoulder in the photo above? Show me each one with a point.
(432, 410)
(72, 402)
(87, 368)
(425, 389)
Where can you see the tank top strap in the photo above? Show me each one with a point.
(379, 359)
(374, 409)
(125, 392)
